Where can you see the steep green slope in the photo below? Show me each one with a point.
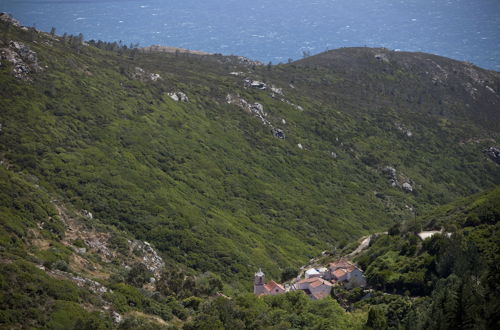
(456, 273)
(207, 182)
(53, 276)
(30, 297)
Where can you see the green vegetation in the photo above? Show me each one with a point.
(292, 310)
(211, 188)
(457, 274)
(206, 182)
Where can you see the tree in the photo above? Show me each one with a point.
(376, 318)
(139, 275)
(288, 273)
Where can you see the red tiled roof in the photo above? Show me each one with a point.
(341, 264)
(339, 273)
(350, 268)
(271, 285)
(308, 280)
(315, 282)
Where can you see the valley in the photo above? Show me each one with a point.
(145, 188)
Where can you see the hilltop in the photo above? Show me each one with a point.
(221, 164)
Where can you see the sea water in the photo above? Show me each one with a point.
(279, 30)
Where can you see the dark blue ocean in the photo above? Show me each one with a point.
(276, 30)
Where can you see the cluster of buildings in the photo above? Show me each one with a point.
(318, 282)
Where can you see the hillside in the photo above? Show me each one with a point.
(208, 183)
(222, 164)
(455, 273)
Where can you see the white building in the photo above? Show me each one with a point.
(312, 272)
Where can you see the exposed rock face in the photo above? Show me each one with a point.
(92, 285)
(407, 187)
(277, 90)
(24, 60)
(402, 128)
(117, 318)
(80, 250)
(493, 153)
(394, 181)
(390, 171)
(100, 243)
(155, 77)
(278, 133)
(88, 214)
(382, 57)
(178, 96)
(150, 257)
(143, 75)
(258, 110)
(249, 83)
(7, 18)
(24, 51)
(439, 76)
(246, 61)
(255, 108)
(298, 107)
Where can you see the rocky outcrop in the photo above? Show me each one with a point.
(407, 187)
(396, 181)
(403, 129)
(298, 107)
(117, 318)
(248, 62)
(82, 282)
(178, 96)
(142, 75)
(390, 172)
(493, 153)
(276, 90)
(278, 133)
(23, 59)
(7, 18)
(256, 109)
(382, 57)
(87, 214)
(150, 258)
(249, 83)
(100, 243)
